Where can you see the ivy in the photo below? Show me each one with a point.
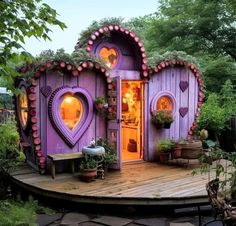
(155, 58)
(85, 34)
(75, 59)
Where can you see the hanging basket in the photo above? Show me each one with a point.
(167, 125)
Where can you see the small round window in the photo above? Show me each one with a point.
(109, 56)
(71, 110)
(164, 103)
(23, 107)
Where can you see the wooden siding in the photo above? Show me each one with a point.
(52, 142)
(168, 80)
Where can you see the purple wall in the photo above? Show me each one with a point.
(51, 141)
(168, 81)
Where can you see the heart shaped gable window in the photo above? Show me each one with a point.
(109, 56)
(71, 112)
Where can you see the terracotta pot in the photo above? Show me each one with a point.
(176, 153)
(88, 175)
(164, 157)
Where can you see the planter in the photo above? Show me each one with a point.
(191, 153)
(164, 157)
(88, 175)
(167, 125)
(176, 153)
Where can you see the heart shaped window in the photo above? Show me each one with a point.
(109, 56)
(71, 110)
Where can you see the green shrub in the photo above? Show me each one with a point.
(213, 116)
(17, 213)
(21, 213)
(9, 148)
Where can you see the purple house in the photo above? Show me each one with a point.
(56, 112)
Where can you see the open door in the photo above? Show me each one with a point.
(114, 124)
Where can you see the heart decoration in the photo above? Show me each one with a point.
(109, 56)
(46, 90)
(183, 85)
(183, 111)
(71, 136)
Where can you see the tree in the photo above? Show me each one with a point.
(195, 26)
(20, 19)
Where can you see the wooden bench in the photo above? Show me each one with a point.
(62, 157)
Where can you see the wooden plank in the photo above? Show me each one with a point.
(65, 156)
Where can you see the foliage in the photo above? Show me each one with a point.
(181, 25)
(85, 34)
(88, 162)
(139, 25)
(47, 56)
(100, 100)
(225, 172)
(212, 116)
(110, 152)
(156, 58)
(20, 19)
(162, 116)
(9, 148)
(21, 213)
(228, 98)
(165, 145)
(217, 71)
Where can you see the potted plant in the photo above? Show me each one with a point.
(162, 118)
(88, 167)
(168, 119)
(110, 153)
(99, 102)
(176, 152)
(164, 147)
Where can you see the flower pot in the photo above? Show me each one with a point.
(164, 157)
(167, 125)
(88, 175)
(176, 153)
(191, 153)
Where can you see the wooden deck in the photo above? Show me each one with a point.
(140, 183)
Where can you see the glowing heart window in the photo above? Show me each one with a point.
(71, 112)
(109, 56)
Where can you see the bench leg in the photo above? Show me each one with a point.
(53, 170)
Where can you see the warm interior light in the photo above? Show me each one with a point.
(71, 110)
(23, 104)
(109, 56)
(164, 103)
(68, 99)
